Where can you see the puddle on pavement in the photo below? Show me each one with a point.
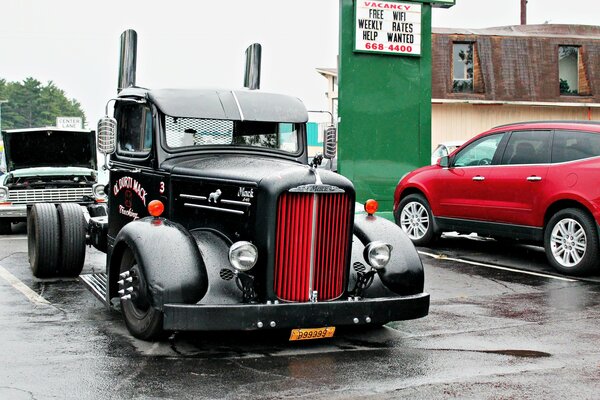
(518, 353)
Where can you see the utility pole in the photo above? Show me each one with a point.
(523, 12)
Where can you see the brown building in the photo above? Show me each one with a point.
(482, 78)
(487, 77)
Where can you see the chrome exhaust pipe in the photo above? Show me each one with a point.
(252, 73)
(128, 59)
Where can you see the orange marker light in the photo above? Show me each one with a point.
(371, 206)
(156, 208)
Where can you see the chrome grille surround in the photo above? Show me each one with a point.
(29, 196)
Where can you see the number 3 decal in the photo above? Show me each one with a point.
(162, 188)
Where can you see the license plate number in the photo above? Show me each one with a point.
(312, 333)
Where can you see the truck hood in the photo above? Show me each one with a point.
(245, 169)
(49, 147)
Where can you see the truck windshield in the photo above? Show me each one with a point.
(191, 132)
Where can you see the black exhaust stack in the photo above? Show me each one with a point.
(127, 62)
(252, 74)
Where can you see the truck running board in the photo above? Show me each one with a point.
(97, 284)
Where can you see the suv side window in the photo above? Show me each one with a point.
(528, 147)
(574, 145)
(134, 138)
(480, 152)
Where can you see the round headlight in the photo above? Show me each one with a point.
(98, 191)
(378, 254)
(3, 193)
(243, 256)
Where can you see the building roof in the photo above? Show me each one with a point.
(518, 63)
(545, 30)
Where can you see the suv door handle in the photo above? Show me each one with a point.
(479, 178)
(534, 178)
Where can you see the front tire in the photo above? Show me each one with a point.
(571, 242)
(416, 220)
(143, 321)
(43, 232)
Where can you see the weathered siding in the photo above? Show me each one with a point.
(463, 121)
(519, 63)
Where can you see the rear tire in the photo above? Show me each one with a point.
(143, 321)
(72, 239)
(416, 220)
(571, 242)
(43, 239)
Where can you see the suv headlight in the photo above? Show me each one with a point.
(98, 191)
(378, 254)
(243, 255)
(3, 193)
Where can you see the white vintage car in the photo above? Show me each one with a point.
(46, 165)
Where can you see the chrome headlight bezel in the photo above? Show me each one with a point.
(98, 191)
(243, 256)
(378, 254)
(3, 193)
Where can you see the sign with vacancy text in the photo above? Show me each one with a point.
(388, 27)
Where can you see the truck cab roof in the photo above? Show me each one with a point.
(235, 105)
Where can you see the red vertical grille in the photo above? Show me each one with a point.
(294, 244)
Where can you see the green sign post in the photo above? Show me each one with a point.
(384, 103)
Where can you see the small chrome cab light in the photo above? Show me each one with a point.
(378, 254)
(156, 208)
(243, 256)
(371, 206)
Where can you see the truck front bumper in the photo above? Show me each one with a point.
(13, 211)
(378, 311)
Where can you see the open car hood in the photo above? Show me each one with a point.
(49, 147)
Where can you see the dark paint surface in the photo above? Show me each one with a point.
(491, 334)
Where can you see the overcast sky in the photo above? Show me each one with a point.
(75, 43)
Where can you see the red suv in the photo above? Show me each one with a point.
(537, 182)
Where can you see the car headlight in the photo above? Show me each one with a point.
(243, 255)
(3, 193)
(98, 191)
(378, 254)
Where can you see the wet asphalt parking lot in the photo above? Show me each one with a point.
(502, 325)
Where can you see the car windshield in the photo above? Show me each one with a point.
(193, 132)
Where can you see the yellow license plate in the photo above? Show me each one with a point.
(312, 333)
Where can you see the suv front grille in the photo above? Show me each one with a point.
(311, 245)
(29, 196)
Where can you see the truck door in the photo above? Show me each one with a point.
(134, 182)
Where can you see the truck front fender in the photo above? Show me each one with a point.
(168, 257)
(404, 273)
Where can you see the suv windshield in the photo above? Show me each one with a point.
(191, 132)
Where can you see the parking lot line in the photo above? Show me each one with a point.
(21, 287)
(443, 257)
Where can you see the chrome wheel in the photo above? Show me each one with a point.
(568, 242)
(414, 220)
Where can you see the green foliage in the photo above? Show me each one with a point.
(565, 88)
(31, 104)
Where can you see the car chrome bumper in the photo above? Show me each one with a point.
(366, 311)
(13, 211)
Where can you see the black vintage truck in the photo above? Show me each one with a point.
(217, 222)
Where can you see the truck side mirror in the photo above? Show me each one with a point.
(107, 135)
(330, 142)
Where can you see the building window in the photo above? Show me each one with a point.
(568, 69)
(462, 67)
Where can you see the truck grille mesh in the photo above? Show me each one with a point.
(29, 196)
(311, 253)
(196, 131)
